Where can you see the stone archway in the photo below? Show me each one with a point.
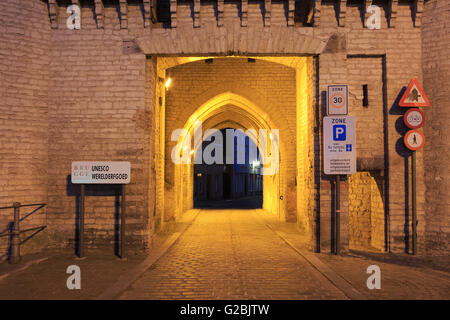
(261, 92)
(216, 113)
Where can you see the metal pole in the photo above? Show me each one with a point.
(414, 207)
(15, 235)
(81, 224)
(337, 221)
(122, 225)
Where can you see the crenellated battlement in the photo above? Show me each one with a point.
(291, 13)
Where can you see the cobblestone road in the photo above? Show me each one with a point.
(231, 254)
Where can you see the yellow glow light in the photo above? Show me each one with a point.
(168, 82)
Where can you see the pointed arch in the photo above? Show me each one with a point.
(251, 117)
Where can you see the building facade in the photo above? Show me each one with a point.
(97, 93)
(229, 179)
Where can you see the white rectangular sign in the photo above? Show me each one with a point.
(337, 100)
(101, 172)
(339, 145)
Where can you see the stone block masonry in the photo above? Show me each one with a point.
(25, 45)
(99, 110)
(436, 71)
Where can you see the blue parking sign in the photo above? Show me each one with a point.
(339, 132)
(339, 145)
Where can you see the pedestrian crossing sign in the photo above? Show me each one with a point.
(414, 96)
(414, 140)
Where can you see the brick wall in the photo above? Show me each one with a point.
(99, 111)
(24, 83)
(306, 148)
(380, 59)
(366, 211)
(436, 69)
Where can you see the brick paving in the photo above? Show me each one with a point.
(403, 276)
(230, 254)
(47, 280)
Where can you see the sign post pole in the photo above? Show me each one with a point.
(414, 207)
(414, 140)
(414, 96)
(337, 219)
(100, 172)
(122, 225)
(339, 159)
(15, 235)
(81, 223)
(339, 146)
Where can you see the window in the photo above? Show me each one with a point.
(365, 96)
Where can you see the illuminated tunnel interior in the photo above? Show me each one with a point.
(269, 99)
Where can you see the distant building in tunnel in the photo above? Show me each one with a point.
(229, 181)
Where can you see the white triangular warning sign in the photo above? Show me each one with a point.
(414, 96)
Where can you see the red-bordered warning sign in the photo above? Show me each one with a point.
(337, 100)
(414, 140)
(414, 96)
(414, 118)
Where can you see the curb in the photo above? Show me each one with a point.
(26, 266)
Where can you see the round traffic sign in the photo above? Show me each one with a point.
(414, 118)
(414, 140)
(337, 100)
